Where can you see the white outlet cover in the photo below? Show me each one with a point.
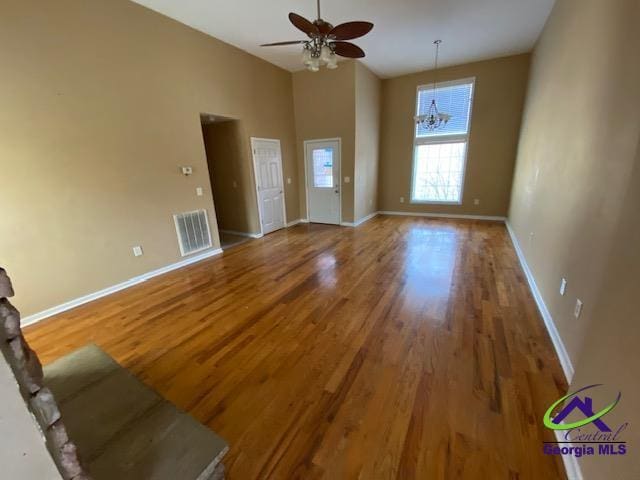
(401, 199)
(137, 251)
(289, 181)
(578, 310)
(563, 286)
(476, 201)
(199, 191)
(347, 179)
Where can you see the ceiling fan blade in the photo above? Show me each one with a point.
(277, 44)
(323, 27)
(346, 49)
(303, 24)
(351, 30)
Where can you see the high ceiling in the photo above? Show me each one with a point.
(401, 41)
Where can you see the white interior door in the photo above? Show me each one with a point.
(322, 160)
(267, 161)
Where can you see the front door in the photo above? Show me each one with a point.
(322, 159)
(269, 185)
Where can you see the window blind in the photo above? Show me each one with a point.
(452, 99)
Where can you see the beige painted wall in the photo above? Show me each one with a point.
(100, 105)
(368, 89)
(325, 108)
(576, 151)
(497, 110)
(577, 189)
(229, 159)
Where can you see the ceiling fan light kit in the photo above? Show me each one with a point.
(326, 42)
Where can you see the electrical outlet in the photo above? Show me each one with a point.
(347, 179)
(288, 181)
(476, 201)
(401, 199)
(199, 191)
(137, 251)
(578, 309)
(563, 286)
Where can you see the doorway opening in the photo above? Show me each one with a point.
(231, 178)
(322, 180)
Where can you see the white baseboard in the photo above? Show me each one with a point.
(242, 234)
(294, 222)
(304, 220)
(445, 215)
(359, 222)
(571, 464)
(36, 317)
(563, 355)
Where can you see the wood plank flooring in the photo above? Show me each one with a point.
(406, 348)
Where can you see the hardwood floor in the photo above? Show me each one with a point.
(406, 348)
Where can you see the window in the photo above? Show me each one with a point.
(322, 167)
(439, 156)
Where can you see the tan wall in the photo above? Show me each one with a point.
(229, 159)
(325, 108)
(577, 188)
(368, 89)
(577, 147)
(100, 105)
(497, 109)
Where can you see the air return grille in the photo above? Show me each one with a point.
(193, 231)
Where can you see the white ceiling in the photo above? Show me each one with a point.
(400, 42)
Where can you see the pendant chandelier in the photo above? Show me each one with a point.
(433, 119)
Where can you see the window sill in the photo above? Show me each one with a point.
(428, 202)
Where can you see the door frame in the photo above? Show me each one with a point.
(306, 179)
(252, 141)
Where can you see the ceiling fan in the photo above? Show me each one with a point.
(325, 40)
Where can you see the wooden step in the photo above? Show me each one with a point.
(125, 430)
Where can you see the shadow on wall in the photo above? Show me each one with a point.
(231, 174)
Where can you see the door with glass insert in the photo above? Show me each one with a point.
(322, 159)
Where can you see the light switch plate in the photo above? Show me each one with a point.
(289, 181)
(578, 310)
(137, 251)
(563, 286)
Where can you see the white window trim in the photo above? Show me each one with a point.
(453, 138)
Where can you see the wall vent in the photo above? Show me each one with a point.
(193, 231)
